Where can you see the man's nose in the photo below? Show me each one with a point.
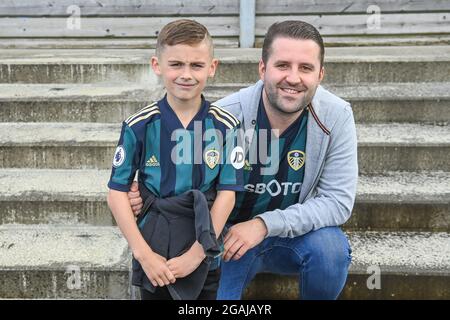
(293, 77)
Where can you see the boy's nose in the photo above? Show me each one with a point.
(186, 74)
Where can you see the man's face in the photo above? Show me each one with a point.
(292, 74)
(185, 69)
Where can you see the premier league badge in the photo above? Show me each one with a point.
(119, 157)
(296, 159)
(211, 158)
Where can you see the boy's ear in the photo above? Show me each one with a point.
(155, 65)
(213, 67)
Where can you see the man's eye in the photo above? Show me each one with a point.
(282, 66)
(197, 66)
(175, 64)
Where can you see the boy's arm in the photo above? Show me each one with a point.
(153, 264)
(221, 209)
(185, 264)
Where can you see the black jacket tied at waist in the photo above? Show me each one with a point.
(170, 226)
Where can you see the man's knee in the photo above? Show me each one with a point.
(329, 248)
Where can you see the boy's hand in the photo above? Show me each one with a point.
(156, 269)
(135, 198)
(185, 264)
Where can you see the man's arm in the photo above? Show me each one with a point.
(135, 199)
(153, 264)
(331, 205)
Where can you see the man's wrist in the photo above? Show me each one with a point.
(262, 225)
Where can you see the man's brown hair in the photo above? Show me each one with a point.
(182, 31)
(293, 29)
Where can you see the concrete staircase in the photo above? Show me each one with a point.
(60, 114)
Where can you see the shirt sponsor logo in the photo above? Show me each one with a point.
(274, 188)
(237, 157)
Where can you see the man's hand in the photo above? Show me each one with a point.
(135, 199)
(242, 237)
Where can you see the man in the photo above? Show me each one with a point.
(287, 221)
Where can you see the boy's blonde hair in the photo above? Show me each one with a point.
(182, 31)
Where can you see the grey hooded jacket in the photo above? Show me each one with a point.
(331, 168)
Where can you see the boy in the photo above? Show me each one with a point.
(150, 142)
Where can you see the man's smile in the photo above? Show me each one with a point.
(289, 90)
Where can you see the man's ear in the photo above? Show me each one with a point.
(261, 69)
(321, 74)
(155, 65)
(213, 67)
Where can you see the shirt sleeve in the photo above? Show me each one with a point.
(231, 175)
(125, 162)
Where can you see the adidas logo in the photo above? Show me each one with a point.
(152, 162)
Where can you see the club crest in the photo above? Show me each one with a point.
(211, 158)
(296, 159)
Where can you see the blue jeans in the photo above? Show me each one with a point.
(320, 258)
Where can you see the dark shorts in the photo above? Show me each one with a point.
(209, 290)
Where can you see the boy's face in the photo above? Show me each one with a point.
(185, 69)
(292, 74)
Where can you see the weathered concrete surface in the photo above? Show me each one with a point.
(395, 201)
(344, 65)
(63, 262)
(113, 102)
(382, 147)
(87, 262)
(411, 266)
(393, 287)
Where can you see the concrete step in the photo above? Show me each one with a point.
(93, 262)
(347, 65)
(402, 201)
(113, 102)
(77, 262)
(395, 201)
(402, 147)
(382, 147)
(409, 265)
